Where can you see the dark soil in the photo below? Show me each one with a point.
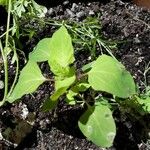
(122, 22)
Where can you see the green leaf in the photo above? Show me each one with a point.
(61, 86)
(145, 104)
(29, 80)
(62, 83)
(58, 70)
(19, 7)
(79, 87)
(49, 104)
(58, 93)
(108, 75)
(3, 2)
(53, 100)
(42, 51)
(82, 87)
(39, 9)
(61, 51)
(87, 67)
(70, 97)
(98, 125)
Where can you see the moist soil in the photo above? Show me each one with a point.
(24, 126)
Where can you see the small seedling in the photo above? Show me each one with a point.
(105, 74)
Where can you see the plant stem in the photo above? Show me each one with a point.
(80, 76)
(10, 29)
(50, 79)
(16, 74)
(8, 24)
(106, 48)
(4, 53)
(3, 56)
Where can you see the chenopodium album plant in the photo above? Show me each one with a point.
(105, 74)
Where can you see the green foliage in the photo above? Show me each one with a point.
(20, 7)
(145, 104)
(65, 83)
(87, 67)
(49, 104)
(42, 51)
(87, 35)
(61, 52)
(108, 75)
(61, 87)
(82, 87)
(29, 80)
(70, 97)
(104, 75)
(78, 88)
(98, 125)
(39, 10)
(3, 2)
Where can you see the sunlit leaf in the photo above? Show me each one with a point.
(29, 80)
(61, 51)
(108, 75)
(61, 86)
(42, 51)
(98, 125)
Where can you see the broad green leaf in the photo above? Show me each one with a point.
(61, 51)
(42, 51)
(108, 75)
(98, 125)
(29, 80)
(62, 83)
(53, 100)
(58, 70)
(58, 93)
(61, 86)
(5, 2)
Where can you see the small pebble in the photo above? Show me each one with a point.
(25, 112)
(74, 6)
(137, 40)
(2, 71)
(1, 84)
(65, 2)
(1, 137)
(70, 13)
(80, 14)
(50, 11)
(91, 12)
